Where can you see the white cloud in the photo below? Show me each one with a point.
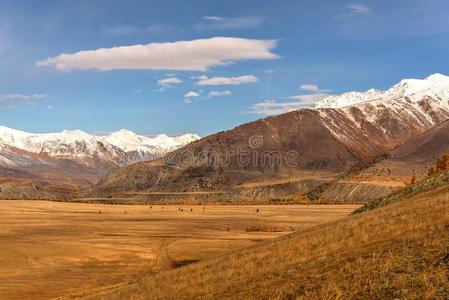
(195, 55)
(167, 82)
(218, 94)
(357, 9)
(309, 87)
(191, 94)
(14, 100)
(204, 80)
(187, 100)
(222, 23)
(271, 107)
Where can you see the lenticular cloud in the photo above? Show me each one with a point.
(195, 55)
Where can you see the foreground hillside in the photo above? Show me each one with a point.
(398, 251)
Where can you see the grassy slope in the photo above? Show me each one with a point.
(397, 251)
(425, 185)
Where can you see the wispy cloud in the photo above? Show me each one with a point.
(15, 100)
(272, 107)
(218, 94)
(356, 9)
(309, 87)
(204, 80)
(223, 23)
(195, 55)
(312, 88)
(213, 18)
(191, 94)
(307, 100)
(168, 82)
(126, 29)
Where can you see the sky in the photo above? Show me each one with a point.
(203, 66)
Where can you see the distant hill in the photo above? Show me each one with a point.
(79, 156)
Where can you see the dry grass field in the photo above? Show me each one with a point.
(400, 251)
(51, 249)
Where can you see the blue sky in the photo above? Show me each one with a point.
(269, 51)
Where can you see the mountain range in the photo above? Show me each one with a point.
(76, 156)
(275, 156)
(338, 135)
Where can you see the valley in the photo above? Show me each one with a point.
(268, 203)
(393, 248)
(52, 249)
(196, 150)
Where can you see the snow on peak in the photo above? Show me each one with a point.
(165, 142)
(79, 144)
(348, 99)
(124, 139)
(13, 137)
(435, 86)
(438, 78)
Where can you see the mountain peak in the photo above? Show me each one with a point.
(435, 86)
(438, 78)
(77, 143)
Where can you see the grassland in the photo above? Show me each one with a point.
(50, 249)
(399, 251)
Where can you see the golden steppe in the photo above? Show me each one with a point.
(52, 249)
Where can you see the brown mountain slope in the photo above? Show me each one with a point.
(288, 145)
(295, 145)
(399, 251)
(425, 148)
(39, 176)
(413, 157)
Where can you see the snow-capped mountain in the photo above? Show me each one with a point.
(117, 148)
(124, 139)
(348, 99)
(341, 134)
(158, 146)
(435, 86)
(384, 117)
(162, 144)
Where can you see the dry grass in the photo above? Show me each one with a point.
(396, 252)
(49, 249)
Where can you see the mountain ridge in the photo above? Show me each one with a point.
(74, 157)
(116, 148)
(361, 132)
